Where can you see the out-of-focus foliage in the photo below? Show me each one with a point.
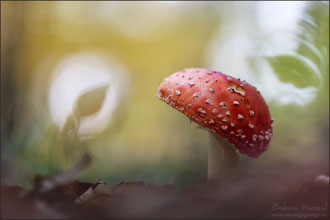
(309, 66)
(87, 104)
(90, 102)
(294, 70)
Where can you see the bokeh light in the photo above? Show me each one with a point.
(81, 72)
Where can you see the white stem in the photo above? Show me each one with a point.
(222, 160)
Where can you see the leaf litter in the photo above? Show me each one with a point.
(253, 196)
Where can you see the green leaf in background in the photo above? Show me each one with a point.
(87, 104)
(312, 50)
(314, 36)
(315, 26)
(70, 125)
(90, 102)
(294, 70)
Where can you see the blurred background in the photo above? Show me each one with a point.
(79, 76)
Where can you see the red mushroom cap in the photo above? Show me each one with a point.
(231, 108)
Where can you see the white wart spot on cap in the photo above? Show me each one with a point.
(240, 117)
(207, 80)
(181, 109)
(168, 98)
(223, 105)
(211, 121)
(220, 115)
(236, 102)
(208, 101)
(196, 95)
(224, 127)
(225, 120)
(254, 137)
(159, 95)
(231, 90)
(211, 90)
(232, 124)
(251, 112)
(227, 113)
(251, 125)
(214, 111)
(202, 111)
(177, 92)
(191, 84)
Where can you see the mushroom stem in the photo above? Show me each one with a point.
(222, 161)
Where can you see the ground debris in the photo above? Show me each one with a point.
(248, 198)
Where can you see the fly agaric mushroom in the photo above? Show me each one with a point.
(232, 110)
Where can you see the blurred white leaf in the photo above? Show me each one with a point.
(90, 102)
